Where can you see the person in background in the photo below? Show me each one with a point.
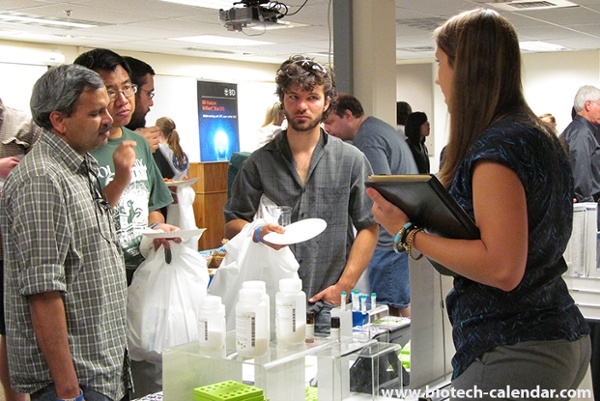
(584, 150)
(137, 200)
(142, 75)
(403, 109)
(18, 134)
(550, 120)
(171, 148)
(417, 130)
(513, 320)
(581, 139)
(318, 176)
(388, 154)
(65, 278)
(272, 125)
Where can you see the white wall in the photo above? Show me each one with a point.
(550, 81)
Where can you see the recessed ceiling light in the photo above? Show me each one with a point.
(213, 4)
(540, 46)
(28, 19)
(222, 41)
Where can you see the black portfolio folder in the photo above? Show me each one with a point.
(428, 205)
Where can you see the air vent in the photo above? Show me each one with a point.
(425, 24)
(529, 5)
(417, 49)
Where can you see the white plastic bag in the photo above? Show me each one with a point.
(163, 301)
(246, 260)
(181, 214)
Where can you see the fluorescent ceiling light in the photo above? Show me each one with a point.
(35, 36)
(34, 20)
(222, 41)
(213, 4)
(540, 46)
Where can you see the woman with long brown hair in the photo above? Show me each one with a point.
(171, 148)
(514, 322)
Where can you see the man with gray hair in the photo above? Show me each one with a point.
(584, 157)
(65, 285)
(584, 150)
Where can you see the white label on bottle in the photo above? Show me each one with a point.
(286, 315)
(245, 330)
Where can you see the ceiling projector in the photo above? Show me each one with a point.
(247, 13)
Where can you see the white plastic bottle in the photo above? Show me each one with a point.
(290, 305)
(251, 329)
(211, 323)
(262, 286)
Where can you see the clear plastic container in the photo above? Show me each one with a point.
(251, 324)
(211, 323)
(290, 311)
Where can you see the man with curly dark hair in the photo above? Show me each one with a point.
(318, 176)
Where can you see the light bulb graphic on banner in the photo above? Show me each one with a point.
(221, 142)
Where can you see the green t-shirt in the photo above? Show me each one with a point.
(145, 193)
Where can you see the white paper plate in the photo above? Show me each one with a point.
(299, 231)
(181, 183)
(183, 234)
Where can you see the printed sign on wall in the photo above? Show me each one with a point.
(217, 120)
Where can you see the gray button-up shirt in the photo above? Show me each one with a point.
(334, 191)
(58, 236)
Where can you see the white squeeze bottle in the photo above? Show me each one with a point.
(290, 305)
(251, 329)
(211, 323)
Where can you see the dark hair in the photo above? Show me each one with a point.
(307, 73)
(139, 70)
(345, 102)
(414, 121)
(483, 51)
(59, 90)
(102, 59)
(403, 109)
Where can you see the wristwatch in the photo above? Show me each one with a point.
(78, 398)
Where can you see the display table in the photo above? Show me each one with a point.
(338, 370)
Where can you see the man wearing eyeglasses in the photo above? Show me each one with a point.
(137, 201)
(64, 272)
(142, 75)
(318, 176)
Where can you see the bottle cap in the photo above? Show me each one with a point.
(310, 317)
(250, 296)
(290, 285)
(335, 322)
(257, 284)
(211, 302)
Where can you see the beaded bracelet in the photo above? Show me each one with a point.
(410, 238)
(400, 237)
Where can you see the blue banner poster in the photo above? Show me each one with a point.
(217, 121)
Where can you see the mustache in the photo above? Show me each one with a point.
(106, 127)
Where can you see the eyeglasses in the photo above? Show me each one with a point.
(128, 91)
(150, 94)
(310, 64)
